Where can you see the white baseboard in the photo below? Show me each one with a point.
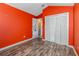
(73, 50)
(1, 49)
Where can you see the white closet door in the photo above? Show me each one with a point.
(64, 25)
(50, 28)
(61, 33)
(47, 28)
(57, 28)
(52, 25)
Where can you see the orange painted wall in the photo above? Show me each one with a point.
(76, 27)
(50, 10)
(14, 25)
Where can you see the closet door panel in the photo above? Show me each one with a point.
(64, 28)
(47, 32)
(57, 31)
(52, 28)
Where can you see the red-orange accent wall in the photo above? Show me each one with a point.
(14, 25)
(76, 27)
(50, 10)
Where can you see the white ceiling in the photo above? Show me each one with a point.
(36, 8)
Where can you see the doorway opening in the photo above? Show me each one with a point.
(40, 27)
(37, 28)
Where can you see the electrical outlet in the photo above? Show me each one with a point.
(24, 36)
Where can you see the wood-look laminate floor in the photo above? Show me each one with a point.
(36, 47)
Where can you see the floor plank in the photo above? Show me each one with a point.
(36, 47)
